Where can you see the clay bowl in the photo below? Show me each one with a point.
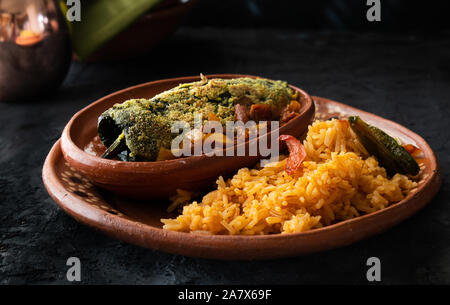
(147, 32)
(138, 222)
(157, 180)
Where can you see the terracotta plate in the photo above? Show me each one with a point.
(138, 222)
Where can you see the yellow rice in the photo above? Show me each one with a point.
(339, 181)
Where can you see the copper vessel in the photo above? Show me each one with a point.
(35, 51)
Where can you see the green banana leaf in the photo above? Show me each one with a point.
(101, 20)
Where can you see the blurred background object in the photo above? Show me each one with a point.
(115, 29)
(125, 28)
(35, 48)
(34, 38)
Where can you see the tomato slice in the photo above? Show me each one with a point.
(412, 150)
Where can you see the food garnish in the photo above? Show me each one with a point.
(297, 154)
(391, 155)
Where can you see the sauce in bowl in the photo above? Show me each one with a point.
(95, 147)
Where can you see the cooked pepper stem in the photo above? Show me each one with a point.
(116, 147)
(391, 155)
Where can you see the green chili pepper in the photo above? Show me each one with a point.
(390, 154)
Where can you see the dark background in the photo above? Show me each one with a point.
(398, 68)
(399, 16)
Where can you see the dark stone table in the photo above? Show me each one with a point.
(403, 78)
